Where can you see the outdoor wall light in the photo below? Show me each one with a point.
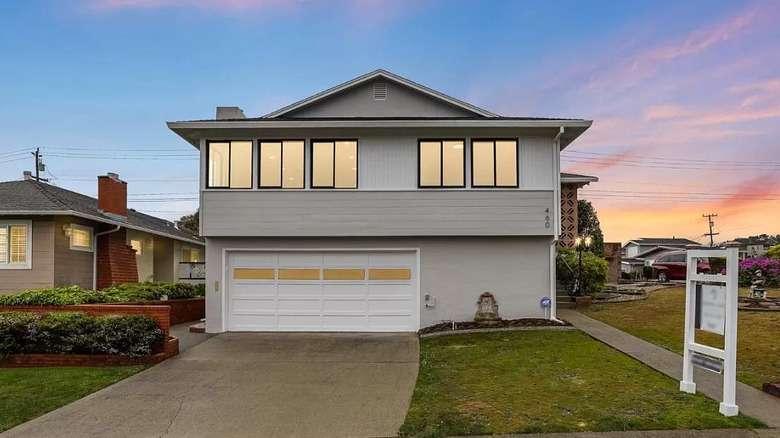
(67, 230)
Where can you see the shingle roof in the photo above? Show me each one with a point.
(32, 196)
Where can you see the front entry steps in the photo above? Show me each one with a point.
(562, 298)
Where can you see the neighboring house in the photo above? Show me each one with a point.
(645, 250)
(51, 237)
(377, 205)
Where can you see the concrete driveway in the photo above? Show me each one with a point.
(254, 385)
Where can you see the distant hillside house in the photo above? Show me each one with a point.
(645, 250)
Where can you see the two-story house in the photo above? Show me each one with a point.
(377, 205)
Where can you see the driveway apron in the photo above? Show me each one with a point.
(254, 385)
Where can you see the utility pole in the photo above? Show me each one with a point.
(39, 165)
(711, 234)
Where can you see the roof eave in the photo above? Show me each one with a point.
(97, 219)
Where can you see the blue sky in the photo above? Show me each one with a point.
(668, 83)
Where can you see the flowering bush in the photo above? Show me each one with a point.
(770, 269)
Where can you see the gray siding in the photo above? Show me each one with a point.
(401, 102)
(42, 273)
(454, 270)
(377, 213)
(71, 267)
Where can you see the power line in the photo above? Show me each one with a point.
(659, 166)
(718, 194)
(666, 159)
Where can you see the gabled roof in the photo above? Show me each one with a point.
(662, 241)
(28, 198)
(384, 74)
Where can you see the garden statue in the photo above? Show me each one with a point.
(757, 286)
(487, 310)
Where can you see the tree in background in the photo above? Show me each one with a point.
(762, 239)
(191, 221)
(588, 224)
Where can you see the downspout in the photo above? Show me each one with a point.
(557, 215)
(95, 252)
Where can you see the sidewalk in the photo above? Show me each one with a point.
(751, 401)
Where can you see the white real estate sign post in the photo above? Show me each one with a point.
(711, 305)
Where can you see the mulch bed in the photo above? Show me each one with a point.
(504, 323)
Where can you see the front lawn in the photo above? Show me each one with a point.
(661, 320)
(26, 393)
(546, 381)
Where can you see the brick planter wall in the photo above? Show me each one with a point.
(181, 310)
(169, 349)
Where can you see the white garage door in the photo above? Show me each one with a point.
(323, 291)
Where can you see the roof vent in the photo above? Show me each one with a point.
(380, 91)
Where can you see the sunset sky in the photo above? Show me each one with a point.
(685, 95)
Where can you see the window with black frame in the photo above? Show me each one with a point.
(334, 164)
(494, 163)
(281, 164)
(229, 164)
(441, 163)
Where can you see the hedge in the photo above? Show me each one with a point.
(594, 271)
(78, 333)
(124, 293)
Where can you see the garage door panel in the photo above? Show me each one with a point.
(254, 259)
(380, 306)
(342, 259)
(299, 290)
(300, 259)
(344, 290)
(323, 291)
(300, 321)
(344, 305)
(384, 290)
(307, 305)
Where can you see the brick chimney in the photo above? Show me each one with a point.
(112, 195)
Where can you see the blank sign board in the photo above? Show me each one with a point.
(711, 308)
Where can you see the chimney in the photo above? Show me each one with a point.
(27, 175)
(229, 112)
(112, 195)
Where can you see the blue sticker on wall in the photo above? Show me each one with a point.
(546, 302)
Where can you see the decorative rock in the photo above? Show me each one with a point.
(487, 310)
(772, 388)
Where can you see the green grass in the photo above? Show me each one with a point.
(26, 393)
(661, 320)
(546, 381)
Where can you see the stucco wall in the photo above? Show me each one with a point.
(454, 270)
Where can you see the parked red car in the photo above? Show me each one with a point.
(672, 266)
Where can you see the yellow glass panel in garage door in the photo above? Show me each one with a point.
(299, 274)
(389, 274)
(253, 274)
(344, 274)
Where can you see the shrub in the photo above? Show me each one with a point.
(58, 296)
(78, 333)
(124, 293)
(770, 270)
(647, 272)
(132, 292)
(773, 252)
(717, 264)
(594, 271)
